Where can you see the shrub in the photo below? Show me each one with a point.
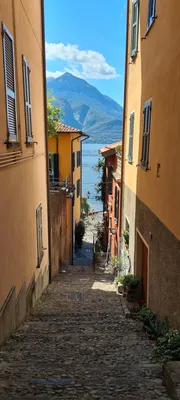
(146, 315)
(79, 233)
(117, 263)
(126, 279)
(168, 346)
(157, 328)
(117, 279)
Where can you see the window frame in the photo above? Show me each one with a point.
(73, 161)
(134, 49)
(147, 112)
(39, 235)
(151, 18)
(27, 100)
(8, 92)
(131, 137)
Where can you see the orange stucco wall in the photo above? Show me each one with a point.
(154, 74)
(23, 185)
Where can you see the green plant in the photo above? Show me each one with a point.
(133, 281)
(100, 186)
(146, 315)
(118, 148)
(84, 205)
(157, 328)
(54, 115)
(168, 346)
(126, 237)
(117, 279)
(79, 233)
(126, 279)
(117, 263)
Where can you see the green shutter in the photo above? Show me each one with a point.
(146, 135)
(151, 12)
(134, 27)
(131, 136)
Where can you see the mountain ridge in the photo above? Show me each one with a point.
(86, 108)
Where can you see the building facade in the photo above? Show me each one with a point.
(24, 261)
(112, 156)
(65, 164)
(151, 165)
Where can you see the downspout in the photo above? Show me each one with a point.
(46, 136)
(72, 248)
(124, 116)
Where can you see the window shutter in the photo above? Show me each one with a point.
(146, 135)
(110, 170)
(131, 136)
(79, 158)
(151, 12)
(135, 27)
(27, 100)
(56, 166)
(39, 235)
(117, 207)
(10, 84)
(115, 201)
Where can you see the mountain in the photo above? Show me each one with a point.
(87, 109)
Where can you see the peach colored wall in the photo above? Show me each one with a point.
(23, 185)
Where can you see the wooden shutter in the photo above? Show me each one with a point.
(79, 158)
(151, 12)
(27, 100)
(110, 170)
(115, 201)
(56, 167)
(146, 134)
(131, 136)
(39, 235)
(135, 27)
(117, 207)
(10, 84)
(78, 187)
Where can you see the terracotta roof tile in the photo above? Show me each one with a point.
(109, 147)
(62, 128)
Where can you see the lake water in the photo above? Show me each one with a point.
(90, 177)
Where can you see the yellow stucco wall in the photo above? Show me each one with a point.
(155, 75)
(23, 185)
(76, 176)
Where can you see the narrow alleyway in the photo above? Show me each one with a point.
(77, 344)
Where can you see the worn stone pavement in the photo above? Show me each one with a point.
(77, 344)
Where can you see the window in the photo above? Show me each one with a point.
(146, 134)
(40, 251)
(10, 85)
(73, 161)
(110, 170)
(151, 12)
(78, 158)
(54, 166)
(78, 187)
(135, 27)
(131, 135)
(27, 100)
(116, 205)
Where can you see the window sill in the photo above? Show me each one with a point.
(145, 168)
(134, 56)
(12, 144)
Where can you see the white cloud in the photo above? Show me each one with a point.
(50, 74)
(82, 63)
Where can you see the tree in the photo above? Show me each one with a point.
(54, 115)
(101, 185)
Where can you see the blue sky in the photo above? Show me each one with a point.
(87, 38)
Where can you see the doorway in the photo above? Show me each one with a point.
(142, 264)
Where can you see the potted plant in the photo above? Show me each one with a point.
(133, 289)
(125, 280)
(117, 265)
(126, 238)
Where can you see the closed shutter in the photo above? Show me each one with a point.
(78, 187)
(73, 161)
(117, 207)
(151, 12)
(110, 170)
(39, 235)
(146, 134)
(56, 167)
(27, 100)
(131, 136)
(79, 158)
(135, 27)
(115, 201)
(10, 84)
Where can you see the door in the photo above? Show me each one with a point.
(142, 260)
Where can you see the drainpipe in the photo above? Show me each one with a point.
(46, 136)
(77, 137)
(124, 116)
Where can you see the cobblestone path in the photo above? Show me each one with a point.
(77, 344)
